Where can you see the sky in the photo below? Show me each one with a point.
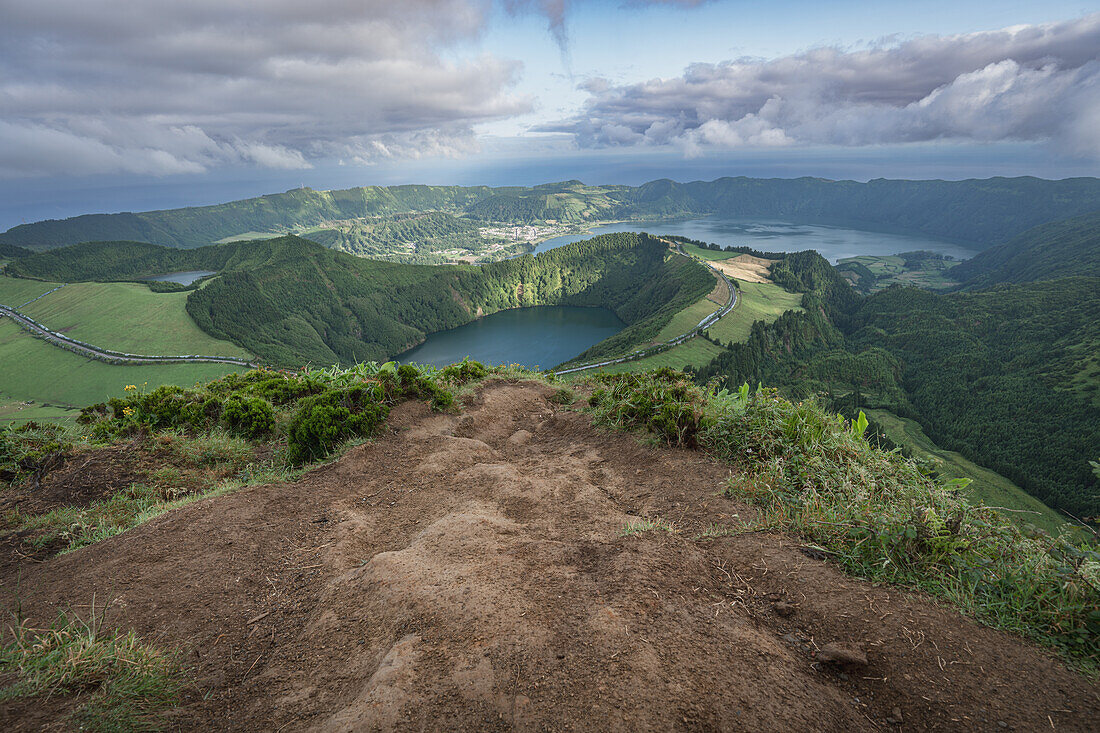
(111, 105)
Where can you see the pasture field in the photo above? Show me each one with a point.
(695, 353)
(987, 487)
(687, 319)
(758, 302)
(125, 317)
(56, 381)
(707, 254)
(15, 291)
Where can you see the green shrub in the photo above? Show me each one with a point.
(464, 372)
(663, 401)
(30, 448)
(250, 417)
(322, 421)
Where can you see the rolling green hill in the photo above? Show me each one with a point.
(984, 211)
(1046, 252)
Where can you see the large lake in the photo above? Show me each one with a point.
(768, 235)
(543, 336)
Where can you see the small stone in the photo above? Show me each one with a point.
(791, 639)
(520, 437)
(841, 656)
(785, 609)
(896, 715)
(1002, 724)
(843, 677)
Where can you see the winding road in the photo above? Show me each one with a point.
(698, 329)
(114, 357)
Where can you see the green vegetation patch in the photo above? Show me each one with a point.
(692, 353)
(14, 292)
(875, 513)
(119, 682)
(127, 317)
(756, 302)
(986, 487)
(51, 378)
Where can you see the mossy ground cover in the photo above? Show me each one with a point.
(126, 317)
(877, 514)
(53, 379)
(757, 302)
(987, 487)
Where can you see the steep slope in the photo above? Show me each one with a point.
(1060, 249)
(471, 572)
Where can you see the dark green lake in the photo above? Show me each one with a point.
(543, 336)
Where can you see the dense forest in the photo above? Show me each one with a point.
(10, 250)
(1005, 376)
(291, 301)
(988, 211)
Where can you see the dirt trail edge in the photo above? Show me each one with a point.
(470, 572)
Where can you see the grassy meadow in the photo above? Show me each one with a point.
(56, 381)
(758, 302)
(125, 317)
(695, 353)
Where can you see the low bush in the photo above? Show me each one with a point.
(249, 417)
(30, 448)
(322, 421)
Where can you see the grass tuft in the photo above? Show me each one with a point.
(120, 682)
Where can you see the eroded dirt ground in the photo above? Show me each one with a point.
(470, 572)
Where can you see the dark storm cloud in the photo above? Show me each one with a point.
(162, 86)
(1028, 83)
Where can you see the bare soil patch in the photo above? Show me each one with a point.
(746, 267)
(470, 571)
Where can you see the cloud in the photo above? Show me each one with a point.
(164, 87)
(1026, 83)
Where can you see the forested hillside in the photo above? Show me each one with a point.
(1008, 376)
(987, 212)
(1058, 249)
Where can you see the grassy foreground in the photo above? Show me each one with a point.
(120, 682)
(873, 512)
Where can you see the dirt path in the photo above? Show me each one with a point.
(469, 572)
